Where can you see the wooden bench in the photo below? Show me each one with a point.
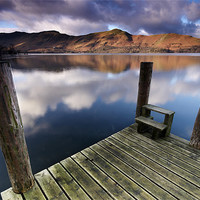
(159, 129)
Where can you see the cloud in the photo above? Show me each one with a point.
(6, 5)
(66, 25)
(85, 16)
(80, 88)
(9, 30)
(62, 24)
(193, 11)
(161, 17)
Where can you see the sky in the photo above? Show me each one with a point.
(79, 17)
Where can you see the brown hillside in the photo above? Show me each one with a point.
(114, 41)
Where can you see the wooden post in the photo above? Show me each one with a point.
(144, 85)
(12, 140)
(195, 139)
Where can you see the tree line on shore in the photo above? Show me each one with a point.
(8, 50)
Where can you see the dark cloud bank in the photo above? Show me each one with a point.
(84, 16)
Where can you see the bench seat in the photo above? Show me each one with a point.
(150, 122)
(158, 109)
(145, 121)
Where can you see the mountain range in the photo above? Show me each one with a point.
(114, 41)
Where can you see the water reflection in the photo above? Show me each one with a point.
(77, 89)
(80, 88)
(105, 63)
(70, 102)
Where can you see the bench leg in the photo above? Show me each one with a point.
(168, 121)
(139, 128)
(155, 134)
(143, 128)
(146, 112)
(163, 133)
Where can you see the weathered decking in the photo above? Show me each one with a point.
(126, 165)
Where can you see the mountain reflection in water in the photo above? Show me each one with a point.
(106, 63)
(69, 102)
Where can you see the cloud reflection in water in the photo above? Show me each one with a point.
(77, 88)
(80, 88)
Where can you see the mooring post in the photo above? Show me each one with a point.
(144, 85)
(12, 140)
(195, 138)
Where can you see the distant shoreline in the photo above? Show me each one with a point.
(114, 41)
(8, 57)
(144, 54)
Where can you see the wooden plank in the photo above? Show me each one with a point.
(139, 145)
(94, 190)
(182, 161)
(123, 145)
(151, 123)
(177, 148)
(49, 186)
(182, 148)
(158, 109)
(132, 126)
(10, 195)
(184, 145)
(181, 140)
(172, 138)
(168, 147)
(104, 180)
(192, 158)
(155, 183)
(34, 193)
(68, 184)
(176, 157)
(129, 185)
(126, 165)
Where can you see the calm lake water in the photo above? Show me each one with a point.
(69, 102)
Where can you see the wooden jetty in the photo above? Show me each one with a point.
(126, 165)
